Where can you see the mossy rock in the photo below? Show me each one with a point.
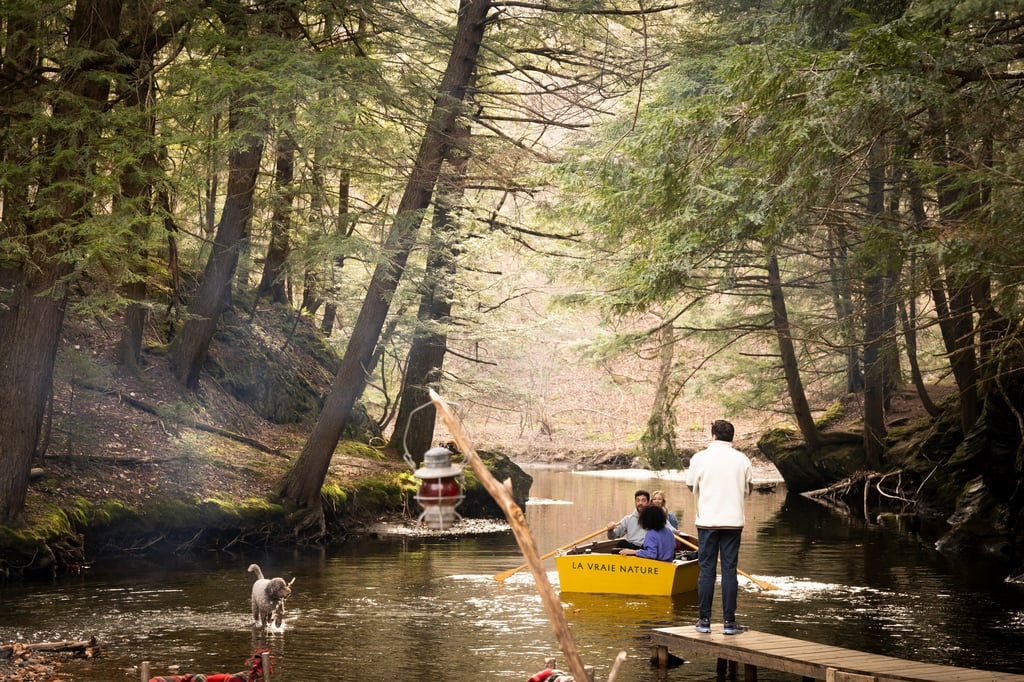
(833, 415)
(175, 515)
(479, 503)
(840, 455)
(42, 525)
(382, 492)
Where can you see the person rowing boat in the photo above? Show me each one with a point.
(629, 528)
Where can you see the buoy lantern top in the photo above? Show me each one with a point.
(437, 463)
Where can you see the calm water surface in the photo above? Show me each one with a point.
(428, 609)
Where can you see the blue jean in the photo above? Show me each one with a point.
(714, 544)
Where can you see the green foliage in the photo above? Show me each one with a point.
(762, 144)
(758, 136)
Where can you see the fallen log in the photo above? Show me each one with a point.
(89, 647)
(191, 423)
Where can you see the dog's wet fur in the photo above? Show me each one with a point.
(268, 596)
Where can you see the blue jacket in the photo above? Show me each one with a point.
(659, 544)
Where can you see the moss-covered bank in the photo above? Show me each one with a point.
(87, 511)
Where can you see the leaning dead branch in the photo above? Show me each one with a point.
(524, 537)
(840, 489)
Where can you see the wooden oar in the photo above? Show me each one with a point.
(512, 571)
(763, 584)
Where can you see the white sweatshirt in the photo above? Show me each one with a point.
(720, 477)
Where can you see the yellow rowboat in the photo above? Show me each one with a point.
(615, 574)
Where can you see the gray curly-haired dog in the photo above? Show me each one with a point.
(268, 595)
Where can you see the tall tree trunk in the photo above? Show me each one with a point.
(136, 190)
(33, 287)
(958, 335)
(893, 368)
(31, 318)
(329, 318)
(425, 361)
(659, 438)
(300, 488)
(842, 302)
(957, 325)
(191, 344)
(992, 325)
(890, 311)
(874, 374)
(345, 225)
(909, 320)
(212, 190)
(272, 282)
(321, 286)
(875, 299)
(787, 352)
(992, 328)
(920, 218)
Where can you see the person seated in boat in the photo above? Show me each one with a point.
(629, 528)
(658, 500)
(659, 540)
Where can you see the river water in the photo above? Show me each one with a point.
(418, 609)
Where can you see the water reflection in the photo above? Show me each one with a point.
(419, 609)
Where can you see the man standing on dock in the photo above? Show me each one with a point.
(720, 477)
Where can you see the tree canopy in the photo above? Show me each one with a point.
(832, 183)
(823, 195)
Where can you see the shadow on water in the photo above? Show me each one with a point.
(428, 608)
(860, 585)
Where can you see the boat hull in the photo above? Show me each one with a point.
(615, 574)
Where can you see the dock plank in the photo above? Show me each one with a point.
(812, 660)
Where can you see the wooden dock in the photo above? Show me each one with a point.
(809, 660)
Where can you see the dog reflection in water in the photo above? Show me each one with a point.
(268, 597)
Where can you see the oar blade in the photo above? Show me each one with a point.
(505, 575)
(763, 584)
